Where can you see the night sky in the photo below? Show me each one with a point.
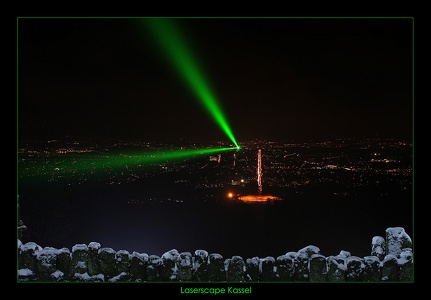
(275, 78)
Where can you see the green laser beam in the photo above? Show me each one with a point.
(176, 49)
(89, 163)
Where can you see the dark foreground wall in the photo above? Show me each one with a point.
(391, 260)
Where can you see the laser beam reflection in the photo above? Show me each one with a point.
(102, 163)
(176, 49)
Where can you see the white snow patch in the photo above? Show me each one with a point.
(25, 272)
(84, 276)
(268, 259)
(237, 258)
(253, 261)
(47, 251)
(119, 255)
(154, 259)
(141, 256)
(31, 246)
(308, 251)
(118, 277)
(216, 256)
(106, 250)
(63, 250)
(396, 240)
(344, 254)
(397, 232)
(94, 246)
(368, 260)
(57, 274)
(354, 259)
(406, 256)
(315, 256)
(185, 259)
(292, 255)
(185, 262)
(332, 260)
(170, 255)
(201, 253)
(378, 240)
(82, 247)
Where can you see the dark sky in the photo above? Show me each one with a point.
(275, 78)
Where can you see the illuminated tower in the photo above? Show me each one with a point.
(259, 171)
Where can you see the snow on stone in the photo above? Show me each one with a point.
(57, 274)
(171, 255)
(344, 254)
(397, 232)
(47, 251)
(142, 256)
(336, 261)
(405, 255)
(94, 246)
(378, 240)
(368, 260)
(31, 246)
(185, 259)
(388, 258)
(237, 258)
(201, 253)
(268, 258)
(307, 251)
(120, 253)
(46, 255)
(292, 255)
(317, 255)
(84, 276)
(63, 250)
(106, 250)
(154, 259)
(283, 258)
(82, 247)
(118, 277)
(396, 240)
(264, 260)
(378, 247)
(216, 256)
(253, 261)
(25, 272)
(98, 277)
(226, 263)
(19, 244)
(354, 258)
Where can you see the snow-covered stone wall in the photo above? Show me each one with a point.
(391, 260)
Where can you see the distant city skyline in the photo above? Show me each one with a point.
(325, 190)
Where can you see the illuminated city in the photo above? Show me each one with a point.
(349, 165)
(248, 137)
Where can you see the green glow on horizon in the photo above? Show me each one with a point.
(176, 49)
(95, 162)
